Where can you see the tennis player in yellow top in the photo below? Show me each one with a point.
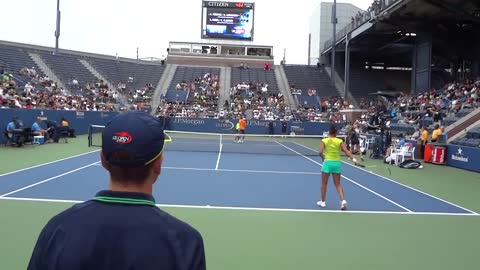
(330, 152)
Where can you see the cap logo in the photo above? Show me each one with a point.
(122, 137)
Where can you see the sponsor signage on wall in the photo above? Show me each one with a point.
(464, 157)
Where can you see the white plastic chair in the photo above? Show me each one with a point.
(406, 152)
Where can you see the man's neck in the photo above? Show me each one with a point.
(145, 188)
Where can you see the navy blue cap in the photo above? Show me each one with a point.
(136, 133)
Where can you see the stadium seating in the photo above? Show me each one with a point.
(303, 78)
(401, 128)
(176, 95)
(120, 71)
(13, 59)
(306, 77)
(67, 68)
(255, 92)
(471, 138)
(255, 75)
(365, 81)
(188, 74)
(193, 92)
(308, 101)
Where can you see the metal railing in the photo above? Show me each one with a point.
(377, 7)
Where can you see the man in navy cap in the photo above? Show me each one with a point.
(121, 228)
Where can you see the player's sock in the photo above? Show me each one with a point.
(343, 205)
(322, 203)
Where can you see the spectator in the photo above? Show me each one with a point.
(400, 141)
(271, 129)
(424, 140)
(65, 124)
(444, 134)
(9, 129)
(15, 132)
(436, 133)
(416, 135)
(37, 129)
(11, 125)
(284, 127)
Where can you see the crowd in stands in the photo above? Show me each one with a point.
(329, 110)
(202, 98)
(437, 105)
(425, 116)
(137, 97)
(40, 92)
(256, 98)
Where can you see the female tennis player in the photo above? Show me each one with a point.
(330, 153)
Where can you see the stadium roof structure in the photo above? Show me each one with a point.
(389, 37)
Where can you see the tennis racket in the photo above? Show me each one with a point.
(359, 165)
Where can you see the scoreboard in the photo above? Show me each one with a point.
(228, 20)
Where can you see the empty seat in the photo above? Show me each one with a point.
(310, 77)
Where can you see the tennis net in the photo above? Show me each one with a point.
(230, 143)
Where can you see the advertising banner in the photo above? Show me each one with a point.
(464, 157)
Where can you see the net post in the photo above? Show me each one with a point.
(89, 135)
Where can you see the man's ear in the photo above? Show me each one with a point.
(157, 165)
(104, 160)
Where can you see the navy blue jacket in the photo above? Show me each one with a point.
(118, 231)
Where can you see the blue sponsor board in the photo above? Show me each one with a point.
(253, 126)
(81, 120)
(467, 158)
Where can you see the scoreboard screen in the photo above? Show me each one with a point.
(227, 20)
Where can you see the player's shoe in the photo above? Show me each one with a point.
(343, 205)
(322, 204)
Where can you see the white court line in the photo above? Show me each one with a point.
(293, 210)
(51, 162)
(48, 180)
(219, 155)
(234, 170)
(350, 180)
(230, 170)
(403, 185)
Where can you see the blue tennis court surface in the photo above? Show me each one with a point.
(231, 181)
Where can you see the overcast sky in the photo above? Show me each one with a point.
(120, 26)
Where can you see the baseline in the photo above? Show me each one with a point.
(258, 209)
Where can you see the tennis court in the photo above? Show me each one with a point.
(265, 177)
